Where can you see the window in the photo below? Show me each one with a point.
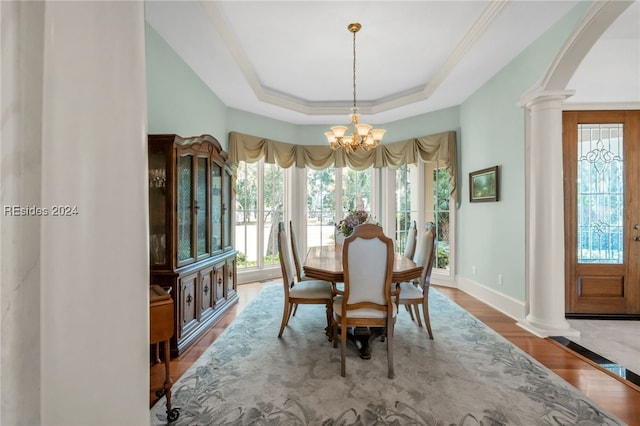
(260, 205)
(406, 203)
(394, 197)
(422, 194)
(440, 215)
(335, 190)
(321, 206)
(356, 191)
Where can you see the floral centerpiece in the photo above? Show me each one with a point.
(353, 219)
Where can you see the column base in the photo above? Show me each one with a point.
(543, 330)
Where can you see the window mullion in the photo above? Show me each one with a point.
(260, 216)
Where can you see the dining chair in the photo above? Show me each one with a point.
(414, 294)
(296, 253)
(410, 246)
(410, 249)
(308, 292)
(366, 298)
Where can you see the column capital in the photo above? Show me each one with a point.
(539, 95)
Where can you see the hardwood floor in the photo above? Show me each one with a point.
(615, 395)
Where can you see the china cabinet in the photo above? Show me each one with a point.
(190, 214)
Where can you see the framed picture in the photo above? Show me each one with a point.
(484, 185)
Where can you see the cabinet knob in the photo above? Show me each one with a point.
(219, 281)
(189, 299)
(206, 289)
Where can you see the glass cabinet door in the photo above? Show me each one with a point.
(184, 208)
(226, 210)
(202, 225)
(216, 207)
(157, 208)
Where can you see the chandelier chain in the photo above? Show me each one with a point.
(354, 72)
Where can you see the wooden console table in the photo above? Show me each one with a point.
(161, 329)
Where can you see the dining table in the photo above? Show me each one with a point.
(325, 263)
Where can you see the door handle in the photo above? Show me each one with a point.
(636, 238)
(636, 226)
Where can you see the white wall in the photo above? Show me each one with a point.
(20, 175)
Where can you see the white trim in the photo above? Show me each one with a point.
(543, 331)
(485, 21)
(508, 305)
(600, 106)
(443, 281)
(253, 275)
(596, 21)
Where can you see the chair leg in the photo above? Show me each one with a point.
(390, 347)
(343, 350)
(425, 312)
(295, 309)
(417, 309)
(285, 317)
(408, 308)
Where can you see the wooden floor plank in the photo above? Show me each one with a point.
(612, 394)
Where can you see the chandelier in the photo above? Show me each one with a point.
(356, 134)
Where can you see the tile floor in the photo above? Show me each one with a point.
(614, 344)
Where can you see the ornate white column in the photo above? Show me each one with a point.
(545, 215)
(95, 257)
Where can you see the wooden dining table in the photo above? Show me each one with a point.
(325, 263)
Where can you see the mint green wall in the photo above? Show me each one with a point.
(257, 125)
(423, 125)
(178, 101)
(432, 123)
(491, 236)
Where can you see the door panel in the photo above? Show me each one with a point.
(602, 187)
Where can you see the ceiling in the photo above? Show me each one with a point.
(293, 60)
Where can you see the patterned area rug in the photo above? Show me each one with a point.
(468, 375)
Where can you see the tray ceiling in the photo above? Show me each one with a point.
(292, 60)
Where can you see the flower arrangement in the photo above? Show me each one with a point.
(353, 219)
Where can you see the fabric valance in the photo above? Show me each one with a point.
(440, 147)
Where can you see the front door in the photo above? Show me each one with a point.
(602, 211)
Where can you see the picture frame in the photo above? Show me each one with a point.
(484, 185)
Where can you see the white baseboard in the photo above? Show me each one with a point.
(508, 305)
(254, 275)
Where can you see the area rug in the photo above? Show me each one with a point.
(468, 375)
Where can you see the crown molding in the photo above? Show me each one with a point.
(407, 97)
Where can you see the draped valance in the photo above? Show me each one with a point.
(440, 147)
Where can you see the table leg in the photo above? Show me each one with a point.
(157, 353)
(362, 337)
